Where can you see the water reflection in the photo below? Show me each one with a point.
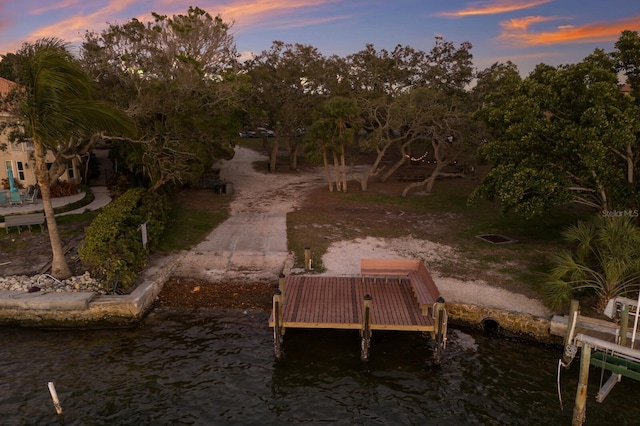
(211, 367)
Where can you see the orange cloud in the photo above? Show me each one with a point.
(243, 12)
(54, 6)
(72, 28)
(518, 31)
(256, 12)
(495, 7)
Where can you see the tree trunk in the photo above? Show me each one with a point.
(344, 169)
(273, 156)
(431, 180)
(59, 267)
(336, 169)
(293, 148)
(405, 154)
(373, 170)
(325, 161)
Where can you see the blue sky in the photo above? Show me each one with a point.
(526, 32)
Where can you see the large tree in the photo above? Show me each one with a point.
(444, 121)
(177, 76)
(377, 78)
(405, 95)
(287, 83)
(565, 134)
(55, 103)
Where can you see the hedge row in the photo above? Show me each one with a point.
(112, 248)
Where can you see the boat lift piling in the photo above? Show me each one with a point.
(604, 345)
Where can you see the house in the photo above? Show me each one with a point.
(18, 156)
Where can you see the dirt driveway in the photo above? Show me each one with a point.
(252, 244)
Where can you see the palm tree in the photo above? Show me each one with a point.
(56, 104)
(606, 260)
(337, 120)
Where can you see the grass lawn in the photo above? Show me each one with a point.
(442, 216)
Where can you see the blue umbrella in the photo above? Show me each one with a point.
(12, 183)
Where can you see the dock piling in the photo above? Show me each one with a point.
(366, 328)
(580, 407)
(441, 329)
(307, 259)
(277, 328)
(281, 284)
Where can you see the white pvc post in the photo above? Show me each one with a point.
(54, 397)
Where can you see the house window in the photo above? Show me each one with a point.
(20, 167)
(70, 170)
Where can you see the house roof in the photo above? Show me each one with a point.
(6, 86)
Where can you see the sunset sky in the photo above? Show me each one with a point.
(526, 32)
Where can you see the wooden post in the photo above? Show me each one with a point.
(277, 324)
(569, 351)
(580, 407)
(624, 324)
(441, 326)
(365, 333)
(307, 258)
(281, 283)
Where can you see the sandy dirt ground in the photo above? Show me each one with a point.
(232, 253)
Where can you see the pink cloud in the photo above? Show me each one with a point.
(54, 6)
(495, 7)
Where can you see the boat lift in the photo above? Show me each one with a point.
(611, 349)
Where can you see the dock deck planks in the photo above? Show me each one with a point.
(337, 302)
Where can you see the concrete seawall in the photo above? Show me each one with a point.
(523, 325)
(86, 309)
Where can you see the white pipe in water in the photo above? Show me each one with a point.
(54, 397)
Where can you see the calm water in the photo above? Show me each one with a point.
(212, 367)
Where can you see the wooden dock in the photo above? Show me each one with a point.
(390, 294)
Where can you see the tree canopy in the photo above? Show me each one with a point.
(176, 76)
(564, 134)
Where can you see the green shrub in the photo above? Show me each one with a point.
(63, 189)
(112, 247)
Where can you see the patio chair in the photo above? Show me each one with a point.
(15, 197)
(31, 198)
(3, 198)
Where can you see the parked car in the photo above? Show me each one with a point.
(266, 132)
(248, 134)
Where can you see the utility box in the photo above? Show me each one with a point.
(228, 188)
